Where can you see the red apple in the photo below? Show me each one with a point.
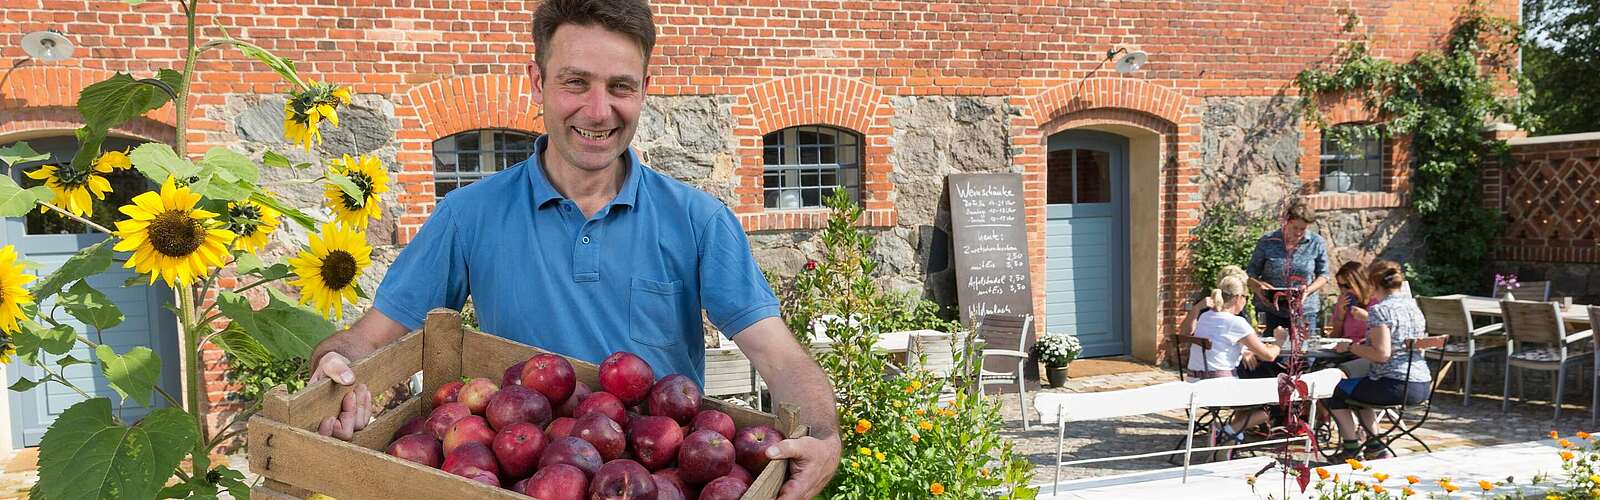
(512, 375)
(736, 472)
(666, 489)
(551, 375)
(579, 393)
(417, 424)
(603, 403)
(476, 394)
(750, 446)
(557, 482)
(447, 393)
(627, 376)
(560, 428)
(675, 396)
(444, 416)
(622, 479)
(470, 429)
(603, 433)
(420, 448)
(571, 451)
(704, 455)
(671, 475)
(714, 420)
(472, 454)
(479, 475)
(516, 403)
(655, 441)
(517, 448)
(724, 488)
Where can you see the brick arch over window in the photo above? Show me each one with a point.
(812, 100)
(442, 108)
(35, 92)
(1342, 108)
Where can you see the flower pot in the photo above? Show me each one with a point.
(1056, 375)
(1336, 182)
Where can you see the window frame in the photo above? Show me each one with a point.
(1374, 156)
(460, 179)
(803, 168)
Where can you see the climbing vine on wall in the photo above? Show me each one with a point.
(1442, 100)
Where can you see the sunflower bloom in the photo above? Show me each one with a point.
(369, 176)
(862, 426)
(170, 238)
(12, 294)
(305, 111)
(73, 188)
(328, 268)
(253, 222)
(936, 489)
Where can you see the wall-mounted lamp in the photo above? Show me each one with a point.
(1130, 60)
(47, 46)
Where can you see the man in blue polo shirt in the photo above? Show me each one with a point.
(583, 250)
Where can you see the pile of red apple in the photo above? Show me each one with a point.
(543, 434)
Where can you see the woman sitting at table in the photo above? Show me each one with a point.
(1350, 312)
(1217, 319)
(1395, 373)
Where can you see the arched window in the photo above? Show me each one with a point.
(1353, 167)
(463, 158)
(805, 164)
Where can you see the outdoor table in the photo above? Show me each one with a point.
(1577, 314)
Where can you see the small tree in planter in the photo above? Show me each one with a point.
(1057, 350)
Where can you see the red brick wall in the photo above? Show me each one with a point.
(452, 65)
(1550, 197)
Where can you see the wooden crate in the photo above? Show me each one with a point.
(294, 460)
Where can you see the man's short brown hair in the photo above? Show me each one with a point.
(1298, 210)
(628, 17)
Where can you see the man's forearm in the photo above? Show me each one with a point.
(808, 388)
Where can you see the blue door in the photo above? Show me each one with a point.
(1086, 249)
(49, 240)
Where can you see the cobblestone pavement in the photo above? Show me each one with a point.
(1449, 426)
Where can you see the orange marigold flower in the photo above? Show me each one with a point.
(910, 390)
(1566, 455)
(1565, 444)
(862, 426)
(925, 425)
(1381, 477)
(1583, 435)
(1485, 485)
(921, 412)
(1445, 483)
(916, 438)
(1322, 473)
(1555, 435)
(1378, 489)
(1354, 464)
(1412, 480)
(936, 489)
(1407, 491)
(983, 472)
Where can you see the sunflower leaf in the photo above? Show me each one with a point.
(272, 159)
(21, 152)
(244, 348)
(134, 374)
(286, 329)
(90, 261)
(114, 101)
(292, 213)
(136, 280)
(247, 263)
(89, 140)
(70, 360)
(24, 385)
(284, 67)
(15, 201)
(90, 306)
(348, 186)
(158, 161)
(231, 165)
(35, 338)
(88, 454)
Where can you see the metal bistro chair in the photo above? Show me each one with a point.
(1396, 414)
(1209, 417)
(998, 363)
(1539, 323)
(1449, 317)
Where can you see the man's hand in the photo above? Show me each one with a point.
(812, 463)
(333, 357)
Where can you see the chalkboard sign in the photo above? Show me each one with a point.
(990, 238)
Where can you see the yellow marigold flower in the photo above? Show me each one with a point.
(12, 294)
(329, 266)
(1407, 491)
(921, 412)
(984, 472)
(1594, 479)
(899, 404)
(1485, 485)
(916, 385)
(1552, 497)
(925, 425)
(862, 426)
(855, 465)
(865, 451)
(878, 455)
(1566, 444)
(1566, 455)
(1322, 473)
(1583, 435)
(1354, 464)
(936, 489)
(1381, 477)
(1412, 480)
(1445, 483)
(916, 438)
(170, 238)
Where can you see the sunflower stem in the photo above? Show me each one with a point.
(74, 216)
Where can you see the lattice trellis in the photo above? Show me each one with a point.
(1554, 202)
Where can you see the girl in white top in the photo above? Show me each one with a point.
(1217, 319)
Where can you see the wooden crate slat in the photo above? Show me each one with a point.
(441, 360)
(348, 472)
(378, 433)
(389, 366)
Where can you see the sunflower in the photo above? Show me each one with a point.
(114, 160)
(305, 111)
(369, 176)
(170, 238)
(253, 222)
(328, 268)
(73, 187)
(12, 295)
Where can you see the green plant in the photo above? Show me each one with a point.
(256, 379)
(1441, 100)
(1226, 237)
(913, 435)
(213, 211)
(1057, 349)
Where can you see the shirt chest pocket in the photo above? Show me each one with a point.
(654, 312)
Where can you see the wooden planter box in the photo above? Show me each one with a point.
(294, 460)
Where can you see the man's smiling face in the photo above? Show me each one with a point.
(592, 88)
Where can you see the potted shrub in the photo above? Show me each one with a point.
(1057, 350)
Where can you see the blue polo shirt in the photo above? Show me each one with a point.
(634, 277)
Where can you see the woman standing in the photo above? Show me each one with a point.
(1293, 259)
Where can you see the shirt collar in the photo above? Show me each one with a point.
(544, 192)
(1304, 238)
